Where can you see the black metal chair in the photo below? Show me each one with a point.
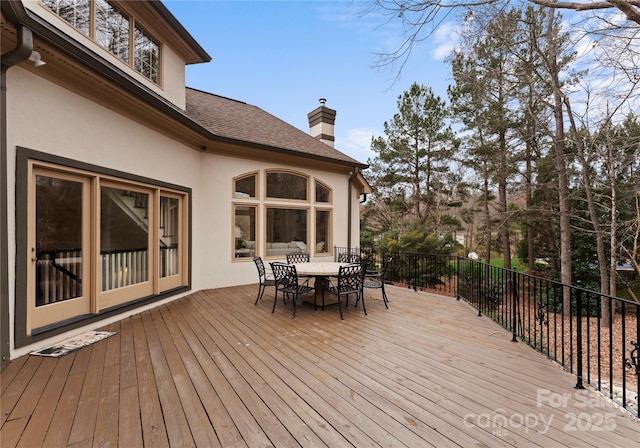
(349, 257)
(298, 258)
(349, 282)
(265, 278)
(374, 279)
(288, 283)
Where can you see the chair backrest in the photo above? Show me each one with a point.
(369, 269)
(349, 257)
(350, 278)
(285, 275)
(298, 258)
(262, 272)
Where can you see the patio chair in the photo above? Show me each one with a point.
(349, 257)
(265, 278)
(298, 258)
(374, 279)
(349, 282)
(288, 283)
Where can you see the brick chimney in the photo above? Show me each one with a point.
(321, 122)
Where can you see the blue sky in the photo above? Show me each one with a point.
(282, 56)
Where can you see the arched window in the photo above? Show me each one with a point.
(292, 222)
(245, 186)
(286, 186)
(323, 193)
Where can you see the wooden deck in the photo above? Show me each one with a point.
(212, 369)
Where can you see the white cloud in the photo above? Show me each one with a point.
(357, 143)
(441, 52)
(445, 39)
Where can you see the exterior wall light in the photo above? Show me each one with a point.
(36, 59)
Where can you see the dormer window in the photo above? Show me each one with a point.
(76, 13)
(113, 29)
(146, 55)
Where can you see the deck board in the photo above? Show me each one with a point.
(84, 424)
(36, 429)
(175, 419)
(213, 369)
(65, 411)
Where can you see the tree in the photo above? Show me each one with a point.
(411, 159)
(486, 84)
(551, 46)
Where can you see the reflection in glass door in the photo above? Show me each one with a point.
(124, 237)
(126, 226)
(171, 240)
(59, 244)
(169, 236)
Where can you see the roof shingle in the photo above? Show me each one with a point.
(242, 122)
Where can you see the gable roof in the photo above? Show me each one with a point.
(239, 122)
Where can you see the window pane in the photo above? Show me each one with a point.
(146, 55)
(286, 186)
(112, 30)
(323, 231)
(246, 187)
(322, 193)
(245, 231)
(286, 231)
(75, 12)
(169, 236)
(58, 240)
(124, 238)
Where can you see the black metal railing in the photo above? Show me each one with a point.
(592, 335)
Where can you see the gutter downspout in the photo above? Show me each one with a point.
(20, 53)
(353, 175)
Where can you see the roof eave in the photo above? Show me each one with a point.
(288, 152)
(177, 26)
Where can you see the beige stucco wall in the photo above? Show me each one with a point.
(45, 117)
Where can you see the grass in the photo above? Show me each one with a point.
(516, 264)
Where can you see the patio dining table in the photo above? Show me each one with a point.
(321, 270)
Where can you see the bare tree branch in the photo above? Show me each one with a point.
(421, 18)
(622, 5)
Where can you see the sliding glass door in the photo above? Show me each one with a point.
(125, 241)
(59, 246)
(98, 242)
